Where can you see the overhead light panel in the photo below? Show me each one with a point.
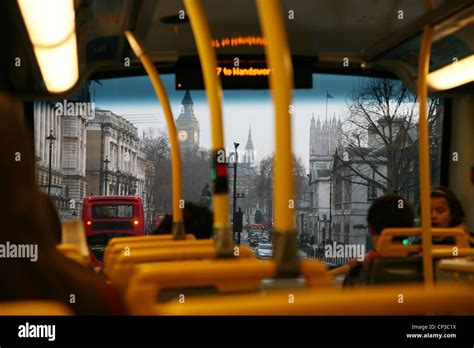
(51, 27)
(453, 75)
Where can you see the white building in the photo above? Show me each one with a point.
(113, 152)
(65, 122)
(323, 141)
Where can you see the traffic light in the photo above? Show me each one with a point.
(238, 221)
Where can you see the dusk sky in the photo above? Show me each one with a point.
(241, 109)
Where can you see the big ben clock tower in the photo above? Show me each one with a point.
(187, 124)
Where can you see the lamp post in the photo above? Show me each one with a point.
(106, 172)
(234, 225)
(51, 138)
(117, 172)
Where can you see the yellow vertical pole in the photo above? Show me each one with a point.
(281, 83)
(177, 194)
(207, 56)
(423, 151)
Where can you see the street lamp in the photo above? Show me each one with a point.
(117, 172)
(106, 172)
(234, 225)
(51, 138)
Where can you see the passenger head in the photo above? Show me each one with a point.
(198, 220)
(389, 211)
(446, 210)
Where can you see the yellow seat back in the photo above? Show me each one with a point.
(223, 276)
(388, 247)
(120, 272)
(73, 234)
(36, 308)
(72, 252)
(130, 240)
(127, 249)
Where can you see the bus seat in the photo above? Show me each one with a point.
(121, 248)
(399, 299)
(393, 270)
(34, 308)
(388, 245)
(181, 280)
(398, 263)
(72, 251)
(120, 272)
(73, 234)
(130, 240)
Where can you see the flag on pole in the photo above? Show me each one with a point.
(328, 95)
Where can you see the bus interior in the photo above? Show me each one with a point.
(268, 71)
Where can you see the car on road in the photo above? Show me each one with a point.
(264, 250)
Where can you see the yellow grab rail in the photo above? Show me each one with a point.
(208, 60)
(387, 248)
(423, 150)
(397, 299)
(281, 83)
(177, 195)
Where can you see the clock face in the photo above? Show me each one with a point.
(196, 137)
(182, 135)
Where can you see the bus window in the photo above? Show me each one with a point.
(103, 211)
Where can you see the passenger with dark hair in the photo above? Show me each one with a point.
(197, 220)
(390, 211)
(447, 211)
(42, 273)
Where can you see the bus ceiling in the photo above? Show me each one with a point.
(369, 38)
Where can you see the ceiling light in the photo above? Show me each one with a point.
(51, 28)
(453, 75)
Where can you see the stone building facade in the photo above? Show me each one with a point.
(113, 165)
(61, 127)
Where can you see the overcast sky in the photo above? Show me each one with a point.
(242, 108)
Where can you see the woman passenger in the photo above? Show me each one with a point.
(447, 211)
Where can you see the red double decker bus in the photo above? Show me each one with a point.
(107, 217)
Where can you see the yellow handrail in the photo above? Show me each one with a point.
(281, 83)
(423, 151)
(177, 195)
(208, 60)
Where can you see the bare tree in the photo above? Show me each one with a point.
(264, 184)
(157, 151)
(380, 135)
(196, 172)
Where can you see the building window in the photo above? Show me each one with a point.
(70, 126)
(69, 155)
